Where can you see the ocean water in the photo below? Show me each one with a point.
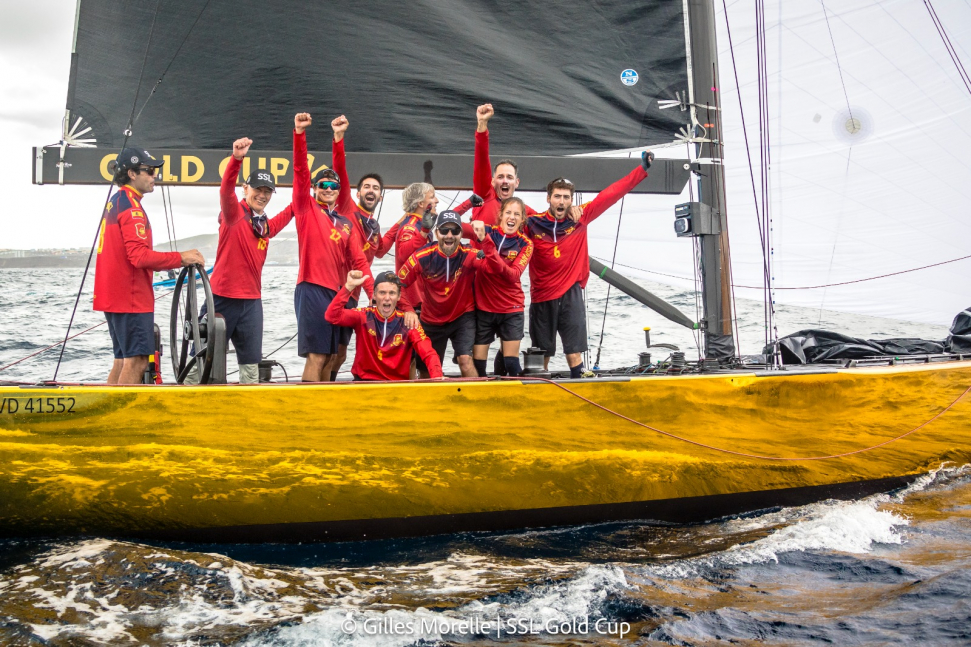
(886, 569)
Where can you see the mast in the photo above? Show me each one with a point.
(704, 103)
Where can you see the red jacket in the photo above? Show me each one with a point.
(126, 260)
(446, 282)
(384, 346)
(240, 255)
(409, 239)
(328, 243)
(482, 183)
(560, 258)
(498, 281)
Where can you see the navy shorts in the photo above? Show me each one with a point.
(509, 326)
(244, 326)
(461, 332)
(565, 315)
(132, 333)
(314, 333)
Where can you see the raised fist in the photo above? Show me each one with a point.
(646, 158)
(428, 219)
(476, 200)
(354, 279)
(479, 229)
(339, 125)
(484, 112)
(301, 121)
(241, 147)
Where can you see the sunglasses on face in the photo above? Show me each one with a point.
(147, 170)
(455, 231)
(329, 184)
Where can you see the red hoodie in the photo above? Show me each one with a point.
(240, 255)
(126, 260)
(560, 258)
(384, 346)
(328, 243)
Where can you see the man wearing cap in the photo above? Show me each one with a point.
(244, 237)
(328, 245)
(560, 265)
(126, 260)
(385, 341)
(446, 269)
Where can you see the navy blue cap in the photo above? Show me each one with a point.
(261, 177)
(327, 173)
(448, 216)
(132, 158)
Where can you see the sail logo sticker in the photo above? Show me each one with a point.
(629, 77)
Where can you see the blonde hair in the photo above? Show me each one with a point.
(413, 194)
(502, 208)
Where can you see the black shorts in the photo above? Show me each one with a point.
(244, 326)
(132, 333)
(509, 326)
(565, 315)
(461, 332)
(314, 333)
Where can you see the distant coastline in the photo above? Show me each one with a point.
(281, 252)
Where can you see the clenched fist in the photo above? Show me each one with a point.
(339, 125)
(241, 147)
(301, 121)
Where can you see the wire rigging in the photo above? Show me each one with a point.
(952, 52)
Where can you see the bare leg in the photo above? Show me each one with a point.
(115, 372)
(133, 369)
(510, 348)
(574, 359)
(481, 351)
(335, 362)
(313, 369)
(466, 366)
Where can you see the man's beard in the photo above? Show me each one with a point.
(369, 201)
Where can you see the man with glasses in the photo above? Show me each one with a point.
(385, 341)
(328, 245)
(446, 269)
(560, 266)
(126, 261)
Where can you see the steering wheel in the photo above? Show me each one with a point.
(195, 333)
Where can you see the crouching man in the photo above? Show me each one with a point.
(386, 336)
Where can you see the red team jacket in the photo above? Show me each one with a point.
(384, 346)
(498, 282)
(446, 282)
(482, 183)
(240, 255)
(560, 258)
(328, 243)
(126, 260)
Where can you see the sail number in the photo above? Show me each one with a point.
(37, 405)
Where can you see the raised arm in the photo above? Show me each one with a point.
(609, 196)
(355, 248)
(387, 241)
(301, 170)
(279, 221)
(338, 159)
(482, 166)
(229, 208)
(336, 313)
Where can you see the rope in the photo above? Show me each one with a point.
(948, 45)
(837, 56)
(603, 325)
(735, 453)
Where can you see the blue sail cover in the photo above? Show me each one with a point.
(408, 75)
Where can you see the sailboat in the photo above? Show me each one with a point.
(675, 441)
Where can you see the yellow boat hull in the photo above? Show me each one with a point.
(340, 461)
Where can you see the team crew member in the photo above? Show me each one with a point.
(419, 202)
(328, 244)
(494, 185)
(446, 270)
(384, 341)
(244, 237)
(126, 260)
(561, 265)
(499, 298)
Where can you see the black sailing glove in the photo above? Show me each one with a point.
(646, 158)
(476, 200)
